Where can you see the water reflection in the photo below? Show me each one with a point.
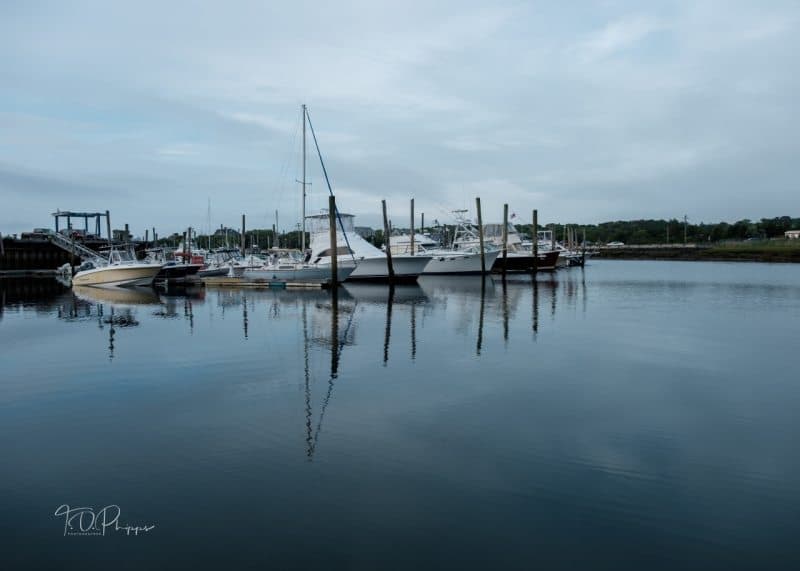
(331, 419)
(470, 305)
(388, 331)
(339, 302)
(481, 316)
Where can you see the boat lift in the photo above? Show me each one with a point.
(58, 214)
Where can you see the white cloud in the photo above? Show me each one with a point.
(179, 150)
(615, 37)
(585, 112)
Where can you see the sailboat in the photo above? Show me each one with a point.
(368, 262)
(292, 267)
(356, 257)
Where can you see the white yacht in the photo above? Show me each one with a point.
(352, 250)
(401, 244)
(464, 255)
(120, 269)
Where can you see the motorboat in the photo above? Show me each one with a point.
(567, 256)
(517, 258)
(171, 269)
(465, 260)
(229, 261)
(401, 244)
(464, 255)
(119, 269)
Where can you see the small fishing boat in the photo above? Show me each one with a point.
(120, 269)
(229, 261)
(170, 269)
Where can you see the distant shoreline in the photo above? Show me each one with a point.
(783, 253)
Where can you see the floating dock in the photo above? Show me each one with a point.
(224, 282)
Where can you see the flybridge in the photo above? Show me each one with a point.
(318, 223)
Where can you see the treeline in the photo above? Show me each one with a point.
(627, 231)
(672, 231)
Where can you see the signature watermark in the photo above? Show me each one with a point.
(88, 521)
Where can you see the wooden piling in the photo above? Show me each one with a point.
(387, 244)
(412, 226)
(535, 232)
(72, 254)
(583, 249)
(244, 243)
(480, 235)
(422, 224)
(334, 248)
(108, 225)
(505, 237)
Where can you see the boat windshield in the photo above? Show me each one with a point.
(119, 256)
(319, 223)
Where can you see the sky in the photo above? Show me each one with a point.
(176, 114)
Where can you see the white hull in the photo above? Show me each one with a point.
(455, 262)
(123, 275)
(319, 274)
(405, 267)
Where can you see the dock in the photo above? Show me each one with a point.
(227, 282)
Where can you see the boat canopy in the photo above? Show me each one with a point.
(318, 223)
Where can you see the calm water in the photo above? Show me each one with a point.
(638, 415)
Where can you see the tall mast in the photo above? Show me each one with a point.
(303, 239)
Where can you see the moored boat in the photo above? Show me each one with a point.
(297, 273)
(170, 269)
(120, 269)
(518, 258)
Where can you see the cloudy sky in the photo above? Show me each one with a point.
(588, 111)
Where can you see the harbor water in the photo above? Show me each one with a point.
(629, 415)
